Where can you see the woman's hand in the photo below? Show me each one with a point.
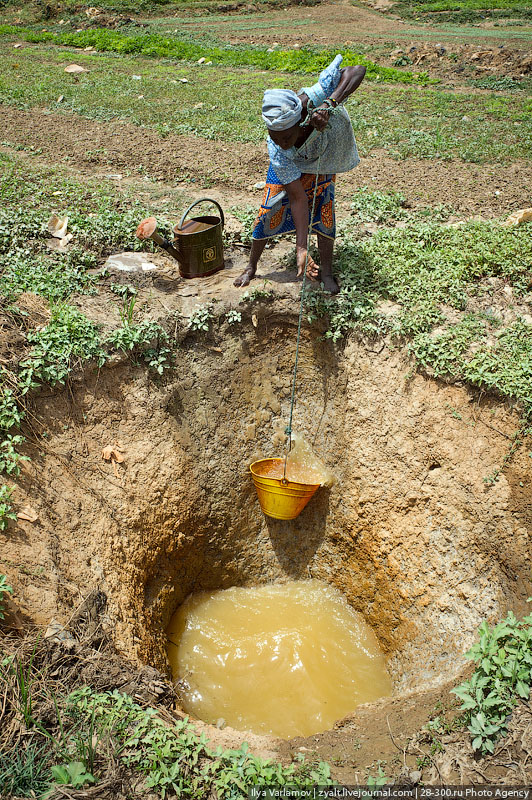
(319, 118)
(312, 267)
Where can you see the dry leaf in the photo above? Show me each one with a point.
(112, 452)
(75, 68)
(254, 320)
(57, 226)
(28, 514)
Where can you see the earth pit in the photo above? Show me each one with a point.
(410, 533)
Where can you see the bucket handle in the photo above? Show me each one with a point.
(203, 200)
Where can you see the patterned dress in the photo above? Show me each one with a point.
(326, 153)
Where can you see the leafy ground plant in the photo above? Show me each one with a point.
(5, 589)
(503, 658)
(146, 340)
(176, 759)
(201, 318)
(9, 457)
(302, 60)
(6, 507)
(66, 342)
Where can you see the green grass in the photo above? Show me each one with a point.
(426, 269)
(25, 771)
(408, 122)
(464, 11)
(75, 10)
(304, 60)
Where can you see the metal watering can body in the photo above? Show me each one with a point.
(198, 243)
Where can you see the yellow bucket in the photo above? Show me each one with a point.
(277, 499)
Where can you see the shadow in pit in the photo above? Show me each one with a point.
(296, 541)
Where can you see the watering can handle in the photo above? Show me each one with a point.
(203, 200)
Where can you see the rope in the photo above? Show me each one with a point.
(288, 429)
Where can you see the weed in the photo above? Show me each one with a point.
(368, 206)
(10, 414)
(309, 60)
(247, 216)
(6, 507)
(5, 588)
(175, 759)
(507, 365)
(24, 771)
(123, 290)
(515, 443)
(497, 83)
(201, 318)
(380, 779)
(109, 227)
(72, 774)
(9, 458)
(503, 658)
(65, 343)
(126, 312)
(146, 340)
(233, 316)
(23, 676)
(258, 295)
(387, 208)
(445, 353)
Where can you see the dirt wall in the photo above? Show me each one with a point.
(410, 532)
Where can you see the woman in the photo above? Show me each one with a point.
(309, 133)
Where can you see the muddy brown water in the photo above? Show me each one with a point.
(286, 659)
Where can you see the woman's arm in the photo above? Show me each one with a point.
(299, 209)
(350, 80)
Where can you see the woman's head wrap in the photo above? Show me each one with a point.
(281, 109)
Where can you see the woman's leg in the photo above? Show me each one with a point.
(326, 246)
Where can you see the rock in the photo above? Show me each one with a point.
(259, 185)
(518, 217)
(57, 633)
(74, 69)
(129, 262)
(383, 5)
(415, 776)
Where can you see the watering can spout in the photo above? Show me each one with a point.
(148, 230)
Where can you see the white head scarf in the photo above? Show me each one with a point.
(281, 109)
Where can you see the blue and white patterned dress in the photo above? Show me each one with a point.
(327, 152)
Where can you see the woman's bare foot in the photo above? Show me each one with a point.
(245, 277)
(329, 284)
